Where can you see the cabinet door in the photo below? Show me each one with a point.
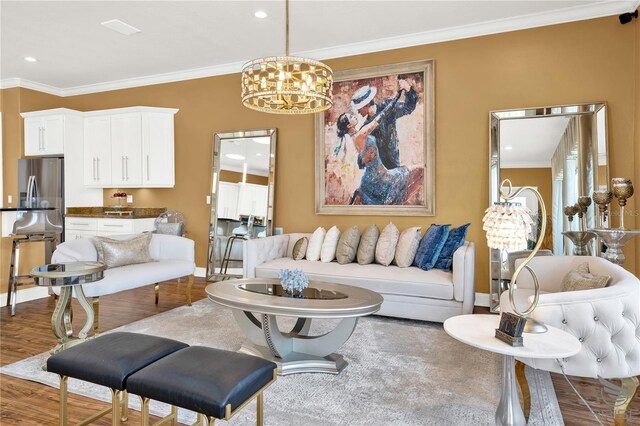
(72, 234)
(53, 135)
(33, 136)
(126, 150)
(227, 200)
(262, 199)
(97, 151)
(157, 150)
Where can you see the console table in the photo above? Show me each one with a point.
(479, 331)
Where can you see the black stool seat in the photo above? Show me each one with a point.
(202, 379)
(110, 359)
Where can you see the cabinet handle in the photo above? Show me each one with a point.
(113, 226)
(79, 223)
(94, 169)
(147, 166)
(41, 138)
(126, 163)
(44, 141)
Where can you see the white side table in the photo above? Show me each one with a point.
(479, 331)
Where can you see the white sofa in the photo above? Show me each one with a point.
(412, 293)
(606, 320)
(173, 256)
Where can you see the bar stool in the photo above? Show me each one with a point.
(15, 279)
(226, 258)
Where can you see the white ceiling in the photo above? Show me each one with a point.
(190, 39)
(255, 151)
(533, 141)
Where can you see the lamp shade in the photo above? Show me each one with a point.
(508, 226)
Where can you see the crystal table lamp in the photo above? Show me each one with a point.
(508, 226)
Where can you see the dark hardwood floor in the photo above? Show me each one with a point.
(29, 333)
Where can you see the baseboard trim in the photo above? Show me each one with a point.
(482, 299)
(200, 272)
(26, 295)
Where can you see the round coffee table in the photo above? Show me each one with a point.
(295, 351)
(68, 276)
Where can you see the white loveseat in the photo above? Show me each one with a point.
(412, 293)
(173, 256)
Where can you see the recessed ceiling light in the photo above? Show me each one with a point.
(120, 27)
(235, 156)
(260, 14)
(266, 140)
(30, 59)
(508, 148)
(258, 154)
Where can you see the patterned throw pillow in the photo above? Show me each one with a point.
(386, 246)
(348, 245)
(431, 246)
(114, 253)
(367, 247)
(300, 248)
(583, 279)
(455, 240)
(407, 246)
(315, 244)
(329, 245)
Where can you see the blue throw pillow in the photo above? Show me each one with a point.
(431, 246)
(455, 240)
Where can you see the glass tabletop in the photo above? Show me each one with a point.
(64, 274)
(308, 293)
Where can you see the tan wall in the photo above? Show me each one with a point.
(578, 62)
(536, 177)
(229, 176)
(636, 146)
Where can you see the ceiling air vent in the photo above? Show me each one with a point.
(120, 27)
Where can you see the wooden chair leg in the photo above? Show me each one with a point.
(96, 314)
(63, 401)
(628, 390)
(189, 286)
(523, 389)
(157, 290)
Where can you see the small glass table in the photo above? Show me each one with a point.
(257, 302)
(69, 276)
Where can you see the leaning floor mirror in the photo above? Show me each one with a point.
(562, 152)
(242, 197)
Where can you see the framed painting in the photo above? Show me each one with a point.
(375, 147)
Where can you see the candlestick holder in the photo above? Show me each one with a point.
(622, 189)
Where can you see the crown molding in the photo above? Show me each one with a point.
(572, 14)
(9, 83)
(525, 164)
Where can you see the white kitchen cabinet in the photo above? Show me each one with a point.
(86, 227)
(44, 135)
(227, 200)
(158, 168)
(126, 150)
(252, 200)
(97, 151)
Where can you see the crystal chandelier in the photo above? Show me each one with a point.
(286, 84)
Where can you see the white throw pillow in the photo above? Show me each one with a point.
(315, 243)
(407, 246)
(329, 245)
(386, 246)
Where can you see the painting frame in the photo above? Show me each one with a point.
(427, 207)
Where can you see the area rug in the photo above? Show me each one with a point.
(400, 372)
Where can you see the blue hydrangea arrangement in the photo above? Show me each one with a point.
(293, 280)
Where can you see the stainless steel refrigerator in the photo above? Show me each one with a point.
(41, 195)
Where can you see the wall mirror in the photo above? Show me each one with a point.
(242, 197)
(562, 152)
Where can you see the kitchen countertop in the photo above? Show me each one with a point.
(105, 212)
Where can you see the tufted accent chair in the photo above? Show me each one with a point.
(606, 320)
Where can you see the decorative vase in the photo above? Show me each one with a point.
(580, 240)
(622, 189)
(602, 199)
(615, 239)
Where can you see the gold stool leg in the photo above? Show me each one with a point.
(124, 404)
(189, 285)
(96, 314)
(523, 389)
(63, 401)
(174, 415)
(116, 407)
(627, 392)
(144, 411)
(157, 290)
(259, 410)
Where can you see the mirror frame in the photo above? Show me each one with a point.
(495, 117)
(218, 138)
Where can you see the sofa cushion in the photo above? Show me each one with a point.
(348, 245)
(410, 281)
(330, 244)
(114, 253)
(315, 243)
(367, 247)
(386, 246)
(300, 248)
(455, 240)
(582, 279)
(431, 246)
(407, 246)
